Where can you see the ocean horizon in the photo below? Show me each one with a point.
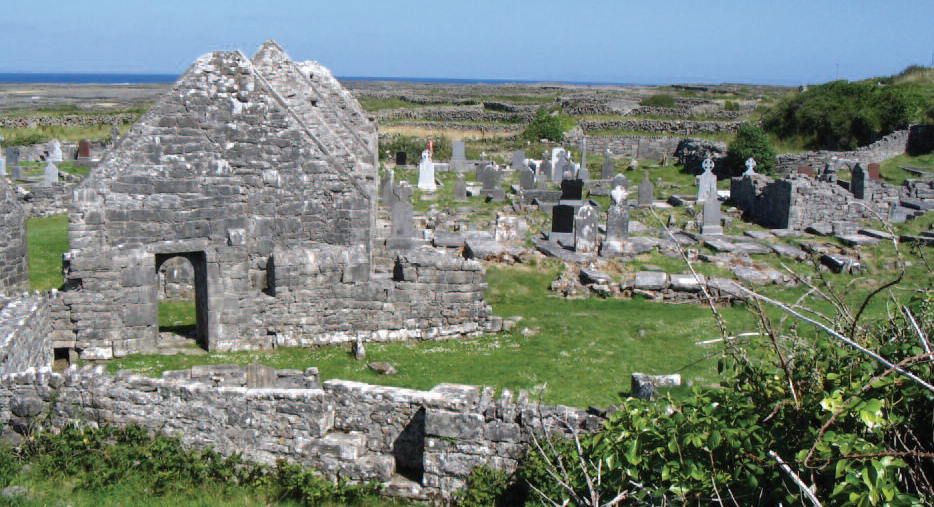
(126, 78)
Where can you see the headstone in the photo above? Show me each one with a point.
(707, 181)
(541, 181)
(583, 173)
(55, 151)
(460, 190)
(617, 223)
(556, 154)
(114, 134)
(584, 156)
(620, 181)
(585, 230)
(489, 176)
(646, 192)
(385, 187)
(545, 170)
(806, 170)
(426, 173)
(607, 169)
(50, 175)
(664, 161)
(750, 167)
(858, 182)
(569, 165)
(518, 160)
(711, 225)
(619, 195)
(874, 171)
(84, 149)
(526, 178)
(558, 170)
(402, 215)
(572, 190)
(633, 164)
(16, 172)
(401, 158)
(562, 218)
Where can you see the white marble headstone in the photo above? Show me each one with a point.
(426, 173)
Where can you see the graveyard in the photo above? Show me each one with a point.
(327, 253)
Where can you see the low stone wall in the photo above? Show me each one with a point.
(682, 127)
(71, 120)
(361, 432)
(446, 125)
(798, 202)
(25, 340)
(632, 146)
(453, 114)
(919, 189)
(888, 147)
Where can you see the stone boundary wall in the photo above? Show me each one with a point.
(919, 189)
(509, 107)
(25, 334)
(446, 125)
(687, 112)
(362, 432)
(682, 127)
(71, 120)
(890, 146)
(633, 146)
(798, 202)
(452, 114)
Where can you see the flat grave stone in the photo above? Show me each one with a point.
(923, 240)
(553, 249)
(686, 282)
(719, 245)
(820, 228)
(759, 235)
(594, 276)
(858, 240)
(651, 280)
(751, 248)
(448, 239)
(750, 275)
(841, 264)
(786, 250)
(787, 233)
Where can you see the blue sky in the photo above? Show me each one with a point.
(647, 41)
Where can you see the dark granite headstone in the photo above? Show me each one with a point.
(646, 192)
(401, 157)
(562, 218)
(84, 149)
(874, 171)
(607, 169)
(572, 190)
(858, 182)
(806, 170)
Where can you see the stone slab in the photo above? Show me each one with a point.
(651, 280)
(789, 251)
(759, 235)
(858, 240)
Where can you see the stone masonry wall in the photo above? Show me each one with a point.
(363, 432)
(24, 334)
(14, 250)
(797, 201)
(888, 147)
(629, 147)
(679, 127)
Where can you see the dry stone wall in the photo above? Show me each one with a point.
(474, 113)
(888, 147)
(678, 127)
(634, 146)
(24, 334)
(14, 250)
(362, 432)
(71, 120)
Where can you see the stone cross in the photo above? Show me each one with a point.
(585, 230)
(750, 167)
(633, 164)
(55, 151)
(426, 173)
(619, 195)
(708, 182)
(646, 192)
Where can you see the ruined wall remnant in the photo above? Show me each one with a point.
(14, 249)
(24, 334)
(242, 166)
(361, 432)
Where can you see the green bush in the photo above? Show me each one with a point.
(662, 100)
(750, 141)
(487, 487)
(731, 105)
(544, 126)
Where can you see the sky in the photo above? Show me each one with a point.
(788, 42)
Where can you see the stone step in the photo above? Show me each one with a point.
(403, 487)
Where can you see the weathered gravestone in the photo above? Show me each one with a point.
(385, 187)
(401, 157)
(873, 170)
(402, 218)
(584, 157)
(426, 173)
(706, 181)
(490, 179)
(583, 173)
(458, 156)
(585, 230)
(711, 224)
(617, 223)
(646, 192)
(55, 151)
(858, 182)
(620, 181)
(50, 175)
(545, 170)
(526, 178)
(633, 164)
(558, 169)
(460, 190)
(607, 169)
(572, 190)
(518, 160)
(12, 153)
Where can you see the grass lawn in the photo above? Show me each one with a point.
(48, 240)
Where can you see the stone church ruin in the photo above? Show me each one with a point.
(262, 174)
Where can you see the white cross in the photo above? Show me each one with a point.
(707, 165)
(750, 166)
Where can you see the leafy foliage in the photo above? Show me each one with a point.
(750, 141)
(544, 126)
(842, 115)
(661, 100)
(413, 147)
(487, 487)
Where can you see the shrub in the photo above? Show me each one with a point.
(662, 100)
(750, 141)
(731, 105)
(544, 126)
(487, 487)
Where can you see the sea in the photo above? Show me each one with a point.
(104, 78)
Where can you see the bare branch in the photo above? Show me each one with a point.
(804, 487)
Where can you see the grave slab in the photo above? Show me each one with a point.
(751, 248)
(858, 240)
(789, 251)
(872, 233)
(650, 280)
(759, 235)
